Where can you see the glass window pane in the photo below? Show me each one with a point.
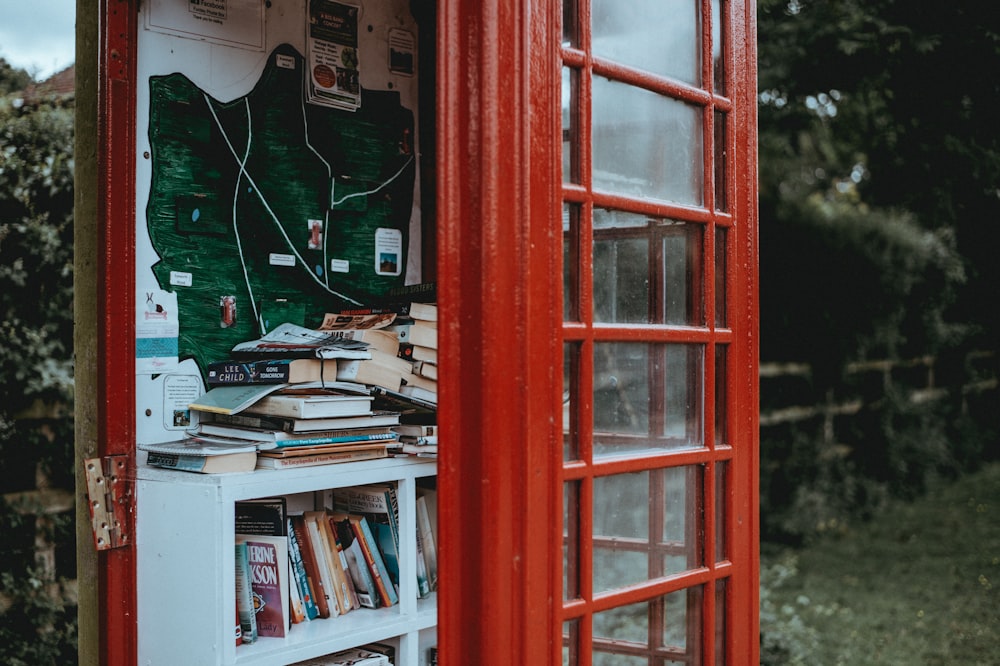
(571, 641)
(571, 33)
(646, 145)
(621, 280)
(718, 49)
(647, 525)
(682, 620)
(720, 622)
(721, 402)
(721, 166)
(570, 125)
(571, 375)
(659, 36)
(571, 262)
(721, 502)
(721, 266)
(683, 300)
(647, 397)
(571, 540)
(622, 635)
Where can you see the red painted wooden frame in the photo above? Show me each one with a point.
(116, 144)
(499, 243)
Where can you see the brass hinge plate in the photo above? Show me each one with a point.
(107, 497)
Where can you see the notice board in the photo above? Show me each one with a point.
(278, 178)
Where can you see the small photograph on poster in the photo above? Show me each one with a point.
(388, 251)
(332, 55)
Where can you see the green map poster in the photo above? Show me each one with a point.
(266, 207)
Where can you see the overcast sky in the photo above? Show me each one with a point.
(38, 35)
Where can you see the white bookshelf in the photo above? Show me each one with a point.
(185, 565)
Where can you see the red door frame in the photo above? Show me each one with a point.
(499, 254)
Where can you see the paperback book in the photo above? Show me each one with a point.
(267, 560)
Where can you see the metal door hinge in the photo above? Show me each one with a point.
(108, 496)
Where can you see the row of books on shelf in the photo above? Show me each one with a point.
(300, 567)
(359, 396)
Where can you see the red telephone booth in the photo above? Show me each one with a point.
(588, 171)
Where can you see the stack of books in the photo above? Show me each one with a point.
(418, 342)
(307, 565)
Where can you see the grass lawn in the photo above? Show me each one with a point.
(918, 585)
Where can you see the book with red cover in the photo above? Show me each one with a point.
(267, 558)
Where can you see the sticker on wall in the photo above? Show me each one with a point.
(388, 251)
(332, 55)
(156, 331)
(237, 23)
(179, 391)
(402, 52)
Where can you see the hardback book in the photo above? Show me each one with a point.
(194, 454)
(207, 447)
(415, 430)
(264, 515)
(233, 399)
(322, 557)
(225, 464)
(271, 371)
(335, 447)
(309, 562)
(244, 596)
(380, 370)
(420, 393)
(267, 559)
(412, 352)
(373, 558)
(309, 406)
(424, 311)
(378, 418)
(377, 339)
(300, 575)
(425, 369)
(343, 582)
(267, 462)
(364, 583)
(296, 610)
(349, 587)
(416, 333)
(410, 408)
(422, 382)
(268, 439)
(293, 341)
(427, 537)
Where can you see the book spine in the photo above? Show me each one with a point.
(307, 553)
(347, 579)
(227, 373)
(301, 578)
(341, 578)
(174, 461)
(296, 606)
(364, 585)
(326, 580)
(244, 596)
(375, 562)
(423, 583)
(318, 459)
(427, 541)
(313, 441)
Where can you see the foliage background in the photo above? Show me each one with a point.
(36, 372)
